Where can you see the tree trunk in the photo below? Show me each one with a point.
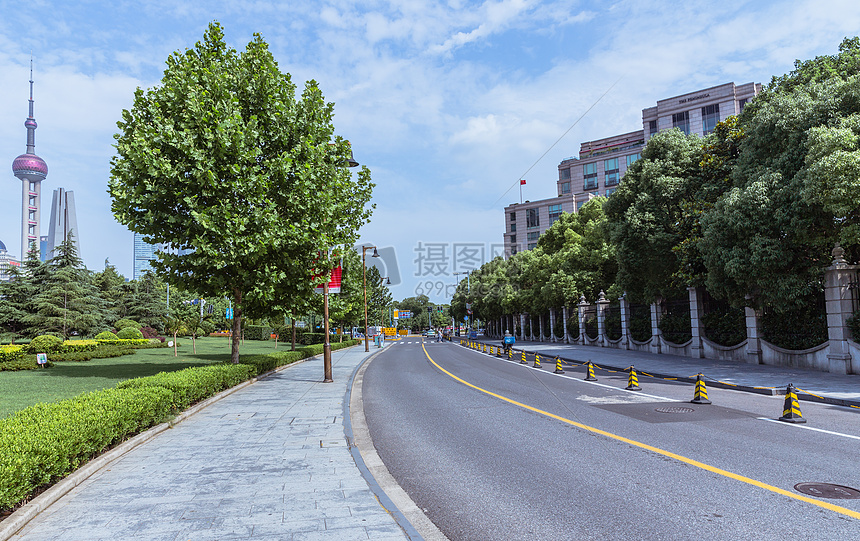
(174, 344)
(294, 335)
(194, 344)
(237, 326)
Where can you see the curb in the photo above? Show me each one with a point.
(27, 512)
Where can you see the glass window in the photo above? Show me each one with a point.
(610, 191)
(579, 205)
(682, 122)
(742, 103)
(32, 215)
(32, 200)
(710, 117)
(652, 127)
(32, 186)
(513, 250)
(565, 187)
(565, 174)
(32, 229)
(513, 227)
(610, 168)
(589, 176)
(513, 239)
(534, 235)
(532, 218)
(632, 158)
(532, 245)
(554, 213)
(513, 216)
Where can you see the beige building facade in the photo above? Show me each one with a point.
(601, 164)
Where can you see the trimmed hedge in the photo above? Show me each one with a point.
(101, 352)
(123, 323)
(79, 345)
(45, 344)
(257, 332)
(27, 362)
(106, 335)
(43, 443)
(136, 342)
(129, 333)
(11, 353)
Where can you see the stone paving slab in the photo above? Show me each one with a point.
(268, 462)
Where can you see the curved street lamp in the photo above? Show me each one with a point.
(364, 250)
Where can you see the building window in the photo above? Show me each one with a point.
(710, 117)
(579, 205)
(534, 235)
(610, 168)
(532, 218)
(652, 127)
(610, 191)
(682, 122)
(632, 158)
(513, 239)
(31, 229)
(32, 200)
(565, 174)
(589, 176)
(513, 216)
(32, 215)
(554, 213)
(742, 103)
(565, 187)
(513, 228)
(532, 245)
(32, 186)
(513, 250)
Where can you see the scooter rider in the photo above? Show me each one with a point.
(508, 341)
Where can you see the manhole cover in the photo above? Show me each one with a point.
(826, 490)
(674, 409)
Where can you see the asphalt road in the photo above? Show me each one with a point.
(485, 468)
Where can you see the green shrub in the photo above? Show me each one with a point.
(45, 344)
(124, 323)
(104, 351)
(26, 362)
(106, 335)
(129, 333)
(11, 353)
(194, 384)
(854, 326)
(45, 442)
(79, 345)
(257, 332)
(134, 342)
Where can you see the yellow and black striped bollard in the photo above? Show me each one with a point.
(700, 395)
(633, 381)
(558, 368)
(537, 361)
(590, 376)
(791, 409)
(523, 359)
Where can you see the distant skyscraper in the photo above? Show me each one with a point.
(43, 248)
(144, 253)
(63, 220)
(6, 261)
(31, 170)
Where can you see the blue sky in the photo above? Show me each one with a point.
(447, 103)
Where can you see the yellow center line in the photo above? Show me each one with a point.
(690, 461)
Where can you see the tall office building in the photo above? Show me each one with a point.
(144, 253)
(602, 163)
(63, 221)
(31, 170)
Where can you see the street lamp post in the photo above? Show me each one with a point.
(364, 250)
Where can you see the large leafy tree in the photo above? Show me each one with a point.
(224, 160)
(644, 215)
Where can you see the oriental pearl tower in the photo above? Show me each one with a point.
(31, 170)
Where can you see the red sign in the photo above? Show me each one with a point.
(333, 283)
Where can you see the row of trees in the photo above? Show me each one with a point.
(751, 212)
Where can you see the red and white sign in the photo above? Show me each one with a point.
(334, 281)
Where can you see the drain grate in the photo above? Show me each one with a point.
(827, 490)
(674, 409)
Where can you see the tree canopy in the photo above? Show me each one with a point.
(245, 182)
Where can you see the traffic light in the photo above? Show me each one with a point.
(440, 309)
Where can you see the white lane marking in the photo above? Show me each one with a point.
(637, 393)
(603, 400)
(808, 428)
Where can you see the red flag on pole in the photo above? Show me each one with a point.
(522, 181)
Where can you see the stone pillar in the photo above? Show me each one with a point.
(602, 303)
(753, 340)
(656, 314)
(583, 305)
(552, 337)
(522, 327)
(838, 278)
(625, 321)
(564, 324)
(696, 313)
(540, 327)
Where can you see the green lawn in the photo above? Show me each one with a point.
(67, 379)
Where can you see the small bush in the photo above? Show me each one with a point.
(129, 333)
(11, 353)
(45, 344)
(106, 335)
(79, 345)
(27, 362)
(257, 332)
(149, 332)
(123, 323)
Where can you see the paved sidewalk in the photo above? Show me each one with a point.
(839, 387)
(268, 462)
